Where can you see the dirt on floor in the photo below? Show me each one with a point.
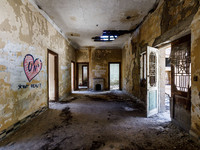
(101, 120)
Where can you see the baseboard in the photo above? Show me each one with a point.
(10, 130)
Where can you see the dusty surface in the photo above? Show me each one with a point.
(98, 121)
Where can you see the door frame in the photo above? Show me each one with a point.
(72, 62)
(109, 74)
(56, 72)
(77, 73)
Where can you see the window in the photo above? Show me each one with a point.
(152, 69)
(143, 58)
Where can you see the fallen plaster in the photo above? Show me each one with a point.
(103, 120)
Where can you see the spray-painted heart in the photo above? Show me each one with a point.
(31, 67)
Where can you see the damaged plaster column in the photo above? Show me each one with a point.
(195, 53)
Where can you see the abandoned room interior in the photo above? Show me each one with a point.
(104, 74)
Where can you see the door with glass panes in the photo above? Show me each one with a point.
(149, 80)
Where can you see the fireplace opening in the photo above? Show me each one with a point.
(98, 87)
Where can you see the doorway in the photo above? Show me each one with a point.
(114, 76)
(52, 76)
(165, 79)
(175, 79)
(72, 75)
(83, 75)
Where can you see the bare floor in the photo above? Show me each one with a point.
(104, 121)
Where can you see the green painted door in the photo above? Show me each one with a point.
(152, 81)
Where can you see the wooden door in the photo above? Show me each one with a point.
(180, 103)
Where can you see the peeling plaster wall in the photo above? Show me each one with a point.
(130, 66)
(171, 20)
(98, 62)
(195, 54)
(23, 30)
(82, 55)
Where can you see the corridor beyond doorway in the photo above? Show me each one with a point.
(98, 120)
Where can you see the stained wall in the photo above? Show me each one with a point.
(195, 54)
(23, 80)
(169, 21)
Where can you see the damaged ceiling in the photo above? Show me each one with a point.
(80, 20)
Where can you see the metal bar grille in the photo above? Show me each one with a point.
(182, 69)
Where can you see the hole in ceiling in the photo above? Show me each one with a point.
(73, 34)
(128, 17)
(39, 7)
(110, 35)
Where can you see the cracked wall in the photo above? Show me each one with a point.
(170, 20)
(23, 30)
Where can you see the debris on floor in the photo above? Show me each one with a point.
(128, 109)
(68, 100)
(99, 121)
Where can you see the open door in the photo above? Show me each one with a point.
(180, 103)
(152, 81)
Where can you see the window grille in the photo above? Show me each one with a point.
(181, 61)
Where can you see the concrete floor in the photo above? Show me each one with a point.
(103, 120)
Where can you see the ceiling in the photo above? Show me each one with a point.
(80, 20)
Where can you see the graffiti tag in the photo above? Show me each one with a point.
(31, 67)
(20, 86)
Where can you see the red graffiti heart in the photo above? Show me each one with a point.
(31, 67)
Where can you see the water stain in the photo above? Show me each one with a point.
(5, 26)
(2, 68)
(130, 16)
(72, 34)
(73, 18)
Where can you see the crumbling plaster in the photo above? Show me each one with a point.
(171, 20)
(23, 30)
(195, 53)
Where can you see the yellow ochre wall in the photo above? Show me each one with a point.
(23, 30)
(170, 20)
